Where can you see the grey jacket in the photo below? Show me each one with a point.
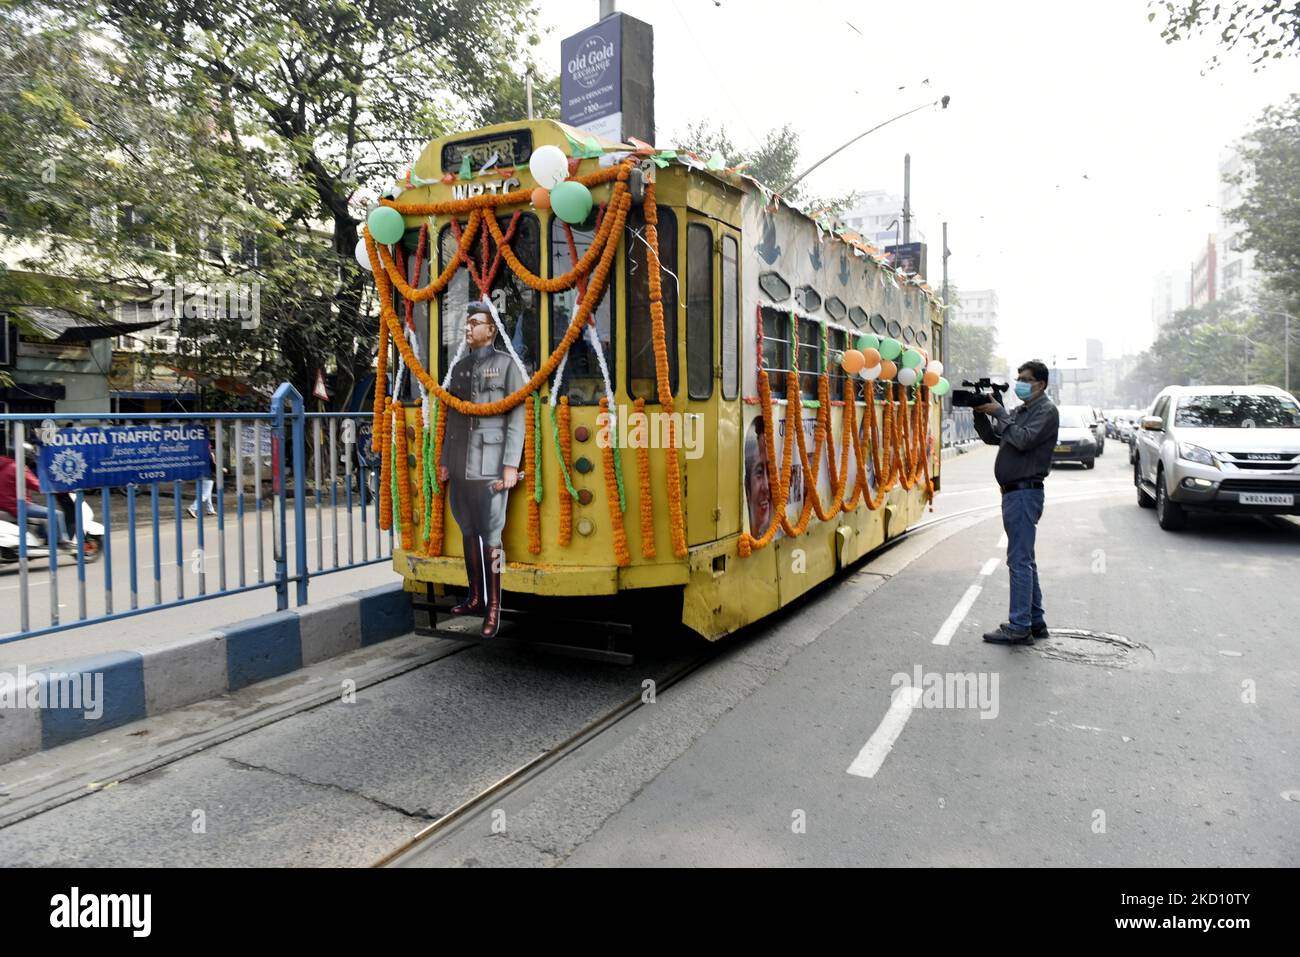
(1026, 439)
(479, 447)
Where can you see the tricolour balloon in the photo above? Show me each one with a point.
(541, 198)
(907, 375)
(887, 369)
(852, 361)
(911, 359)
(871, 372)
(872, 356)
(362, 254)
(386, 225)
(868, 341)
(930, 379)
(549, 166)
(571, 201)
(935, 366)
(890, 348)
(942, 386)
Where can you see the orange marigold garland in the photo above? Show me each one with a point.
(677, 524)
(381, 390)
(621, 555)
(385, 468)
(530, 479)
(747, 540)
(646, 493)
(436, 513)
(566, 459)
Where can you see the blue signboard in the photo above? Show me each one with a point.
(591, 78)
(122, 455)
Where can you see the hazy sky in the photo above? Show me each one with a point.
(1043, 93)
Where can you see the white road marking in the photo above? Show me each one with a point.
(881, 742)
(989, 565)
(1002, 542)
(959, 613)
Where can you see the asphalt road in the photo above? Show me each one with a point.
(1172, 746)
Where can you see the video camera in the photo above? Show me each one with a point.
(970, 398)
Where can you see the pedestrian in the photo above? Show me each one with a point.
(1025, 440)
(203, 491)
(480, 460)
(56, 528)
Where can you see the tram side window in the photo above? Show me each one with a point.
(699, 311)
(641, 374)
(776, 348)
(582, 381)
(517, 303)
(837, 340)
(730, 318)
(404, 256)
(810, 361)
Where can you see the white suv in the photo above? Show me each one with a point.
(1221, 448)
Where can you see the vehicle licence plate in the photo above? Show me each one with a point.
(1265, 498)
(1062, 448)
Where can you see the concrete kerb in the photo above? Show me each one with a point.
(75, 699)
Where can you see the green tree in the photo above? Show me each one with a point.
(1263, 29)
(256, 122)
(1270, 206)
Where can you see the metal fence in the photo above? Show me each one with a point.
(959, 427)
(287, 468)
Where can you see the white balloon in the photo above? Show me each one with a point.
(362, 254)
(935, 366)
(906, 376)
(871, 372)
(549, 166)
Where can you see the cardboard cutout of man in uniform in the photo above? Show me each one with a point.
(480, 461)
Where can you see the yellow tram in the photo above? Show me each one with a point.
(694, 447)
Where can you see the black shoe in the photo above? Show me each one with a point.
(1008, 636)
(1039, 630)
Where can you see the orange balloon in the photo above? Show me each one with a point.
(852, 361)
(931, 379)
(541, 198)
(888, 369)
(872, 356)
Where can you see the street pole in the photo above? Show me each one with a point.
(907, 198)
(528, 91)
(943, 344)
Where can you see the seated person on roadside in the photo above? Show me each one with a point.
(1025, 439)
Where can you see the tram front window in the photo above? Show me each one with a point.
(517, 303)
(642, 375)
(582, 381)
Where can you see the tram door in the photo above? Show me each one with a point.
(700, 409)
(730, 443)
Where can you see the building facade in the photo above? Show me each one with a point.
(977, 307)
(1170, 292)
(879, 219)
(1238, 277)
(1205, 286)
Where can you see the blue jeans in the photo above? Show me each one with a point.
(1021, 511)
(35, 511)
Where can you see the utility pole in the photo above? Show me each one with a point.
(528, 90)
(907, 198)
(943, 350)
(608, 8)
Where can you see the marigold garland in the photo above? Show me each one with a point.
(381, 390)
(385, 467)
(564, 444)
(621, 555)
(677, 525)
(530, 480)
(646, 499)
(403, 474)
(438, 509)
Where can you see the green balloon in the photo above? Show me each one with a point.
(868, 342)
(571, 201)
(911, 359)
(386, 225)
(941, 387)
(890, 348)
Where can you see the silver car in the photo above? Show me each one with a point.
(1219, 448)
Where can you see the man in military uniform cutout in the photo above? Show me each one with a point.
(480, 461)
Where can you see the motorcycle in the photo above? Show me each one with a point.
(92, 533)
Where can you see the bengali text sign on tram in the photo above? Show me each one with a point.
(82, 458)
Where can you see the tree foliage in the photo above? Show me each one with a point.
(1270, 206)
(1263, 29)
(258, 122)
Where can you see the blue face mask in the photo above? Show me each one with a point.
(1024, 390)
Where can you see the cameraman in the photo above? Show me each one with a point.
(1025, 440)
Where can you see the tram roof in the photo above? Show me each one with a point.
(431, 167)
